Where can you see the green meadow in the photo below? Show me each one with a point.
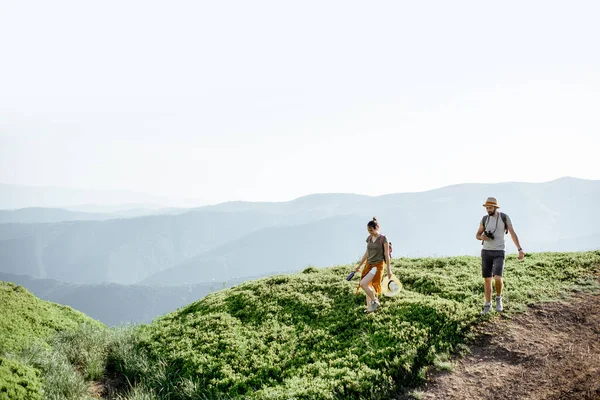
(297, 336)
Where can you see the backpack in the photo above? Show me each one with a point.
(389, 246)
(502, 215)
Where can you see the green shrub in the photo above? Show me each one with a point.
(19, 381)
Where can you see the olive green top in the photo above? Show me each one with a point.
(375, 251)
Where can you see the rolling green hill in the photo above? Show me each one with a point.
(305, 336)
(25, 318)
(27, 321)
(295, 336)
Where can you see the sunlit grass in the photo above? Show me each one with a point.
(298, 336)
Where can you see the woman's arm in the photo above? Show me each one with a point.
(364, 258)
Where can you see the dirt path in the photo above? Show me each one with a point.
(551, 352)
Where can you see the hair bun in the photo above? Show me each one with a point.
(374, 219)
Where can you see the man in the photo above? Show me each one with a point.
(492, 229)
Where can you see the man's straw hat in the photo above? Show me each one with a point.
(391, 287)
(491, 201)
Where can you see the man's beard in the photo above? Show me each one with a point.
(490, 213)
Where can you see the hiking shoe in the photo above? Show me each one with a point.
(499, 307)
(373, 306)
(487, 307)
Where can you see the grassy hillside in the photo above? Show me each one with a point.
(297, 336)
(25, 318)
(27, 329)
(305, 336)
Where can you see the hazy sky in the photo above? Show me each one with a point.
(254, 100)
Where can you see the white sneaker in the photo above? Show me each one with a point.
(499, 307)
(373, 306)
(487, 307)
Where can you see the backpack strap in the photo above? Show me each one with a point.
(503, 216)
(383, 245)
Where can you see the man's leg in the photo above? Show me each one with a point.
(499, 305)
(487, 263)
(487, 286)
(498, 284)
(498, 271)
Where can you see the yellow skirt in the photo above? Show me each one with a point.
(376, 282)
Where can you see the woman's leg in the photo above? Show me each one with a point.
(365, 283)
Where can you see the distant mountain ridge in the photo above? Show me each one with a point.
(25, 196)
(282, 248)
(238, 239)
(553, 216)
(114, 304)
(48, 215)
(122, 251)
(42, 215)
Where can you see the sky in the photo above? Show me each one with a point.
(272, 100)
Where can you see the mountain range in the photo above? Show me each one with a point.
(239, 239)
(114, 304)
(24, 196)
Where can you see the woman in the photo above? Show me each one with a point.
(376, 256)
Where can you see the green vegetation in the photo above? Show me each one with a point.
(305, 335)
(298, 336)
(18, 381)
(24, 317)
(36, 341)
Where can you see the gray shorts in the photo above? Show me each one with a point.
(492, 263)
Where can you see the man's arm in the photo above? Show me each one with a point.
(479, 235)
(515, 239)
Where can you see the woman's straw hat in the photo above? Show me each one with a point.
(391, 287)
(491, 201)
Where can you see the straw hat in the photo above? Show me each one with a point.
(391, 287)
(491, 201)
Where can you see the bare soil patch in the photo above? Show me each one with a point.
(552, 352)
